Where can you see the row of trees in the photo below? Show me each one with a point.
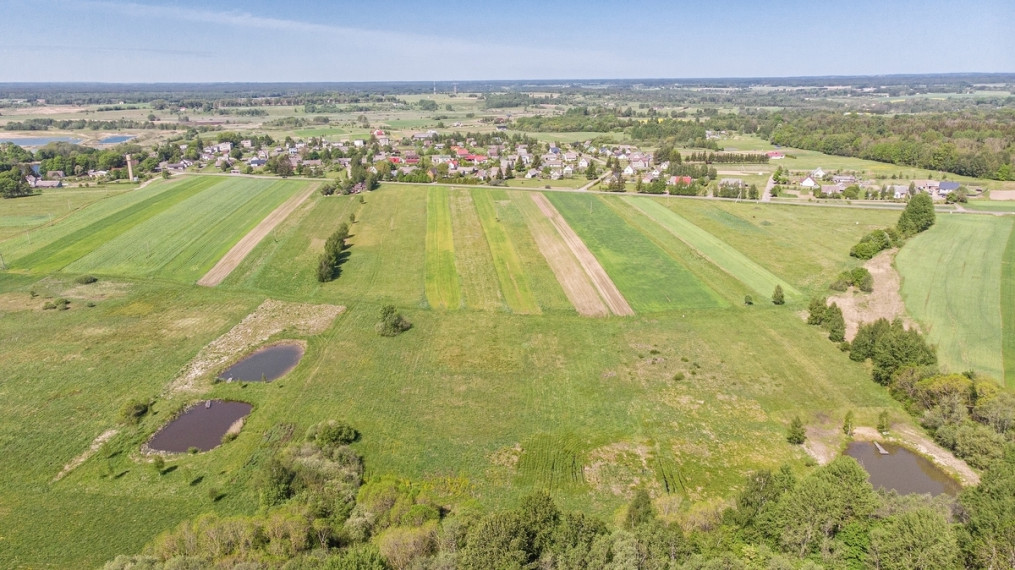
(918, 216)
(328, 265)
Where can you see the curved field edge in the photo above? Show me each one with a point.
(951, 285)
(1008, 310)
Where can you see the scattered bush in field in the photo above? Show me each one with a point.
(847, 423)
(777, 296)
(86, 279)
(331, 433)
(132, 411)
(392, 323)
(858, 277)
(748, 300)
(158, 464)
(875, 242)
(58, 304)
(796, 433)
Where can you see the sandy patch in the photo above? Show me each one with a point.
(271, 318)
(620, 468)
(823, 443)
(96, 444)
(236, 255)
(884, 302)
(602, 282)
(1002, 194)
(913, 438)
(14, 302)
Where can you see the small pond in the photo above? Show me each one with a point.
(202, 426)
(901, 470)
(37, 141)
(266, 364)
(116, 139)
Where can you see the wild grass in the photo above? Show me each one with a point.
(757, 278)
(514, 282)
(473, 260)
(442, 282)
(1008, 310)
(21, 214)
(649, 279)
(952, 283)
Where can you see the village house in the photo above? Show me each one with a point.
(808, 182)
(844, 179)
(36, 182)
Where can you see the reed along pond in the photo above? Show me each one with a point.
(201, 426)
(266, 364)
(901, 470)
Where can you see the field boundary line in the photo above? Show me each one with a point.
(232, 259)
(600, 279)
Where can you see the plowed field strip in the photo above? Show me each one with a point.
(602, 282)
(239, 252)
(573, 280)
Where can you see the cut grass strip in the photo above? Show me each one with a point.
(648, 277)
(72, 247)
(473, 260)
(951, 284)
(1008, 310)
(514, 283)
(714, 249)
(442, 288)
(572, 278)
(600, 279)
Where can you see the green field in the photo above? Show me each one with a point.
(442, 282)
(649, 279)
(23, 214)
(714, 249)
(952, 283)
(514, 282)
(990, 205)
(473, 260)
(1008, 310)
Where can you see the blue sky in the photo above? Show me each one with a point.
(276, 41)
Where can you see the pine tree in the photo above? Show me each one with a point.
(796, 433)
(777, 296)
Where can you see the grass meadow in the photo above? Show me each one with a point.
(24, 214)
(952, 286)
(1008, 310)
(509, 392)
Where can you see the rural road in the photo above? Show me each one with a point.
(767, 196)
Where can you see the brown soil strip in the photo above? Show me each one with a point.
(884, 302)
(96, 444)
(234, 256)
(572, 278)
(1002, 194)
(609, 292)
(271, 318)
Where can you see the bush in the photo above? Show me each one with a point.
(86, 279)
(331, 433)
(58, 304)
(777, 296)
(392, 323)
(132, 411)
(796, 433)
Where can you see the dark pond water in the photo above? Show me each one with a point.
(116, 139)
(38, 141)
(201, 426)
(901, 470)
(266, 364)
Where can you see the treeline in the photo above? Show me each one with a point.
(980, 144)
(917, 217)
(334, 254)
(516, 99)
(94, 125)
(727, 158)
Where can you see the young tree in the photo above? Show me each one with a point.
(847, 423)
(777, 296)
(796, 433)
(918, 215)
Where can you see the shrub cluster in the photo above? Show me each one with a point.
(875, 242)
(392, 323)
(328, 264)
(890, 346)
(858, 277)
(86, 279)
(828, 317)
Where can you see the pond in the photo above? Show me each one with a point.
(37, 141)
(266, 364)
(201, 426)
(116, 139)
(901, 470)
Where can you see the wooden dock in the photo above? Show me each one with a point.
(881, 450)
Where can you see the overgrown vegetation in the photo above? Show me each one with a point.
(392, 322)
(859, 277)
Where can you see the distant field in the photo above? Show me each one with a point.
(649, 279)
(714, 249)
(514, 281)
(952, 283)
(22, 214)
(990, 205)
(442, 282)
(473, 260)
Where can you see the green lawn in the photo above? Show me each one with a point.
(757, 278)
(648, 278)
(990, 205)
(442, 282)
(473, 260)
(185, 239)
(514, 282)
(952, 283)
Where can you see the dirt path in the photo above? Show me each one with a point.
(271, 318)
(96, 444)
(884, 302)
(232, 259)
(572, 278)
(609, 292)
